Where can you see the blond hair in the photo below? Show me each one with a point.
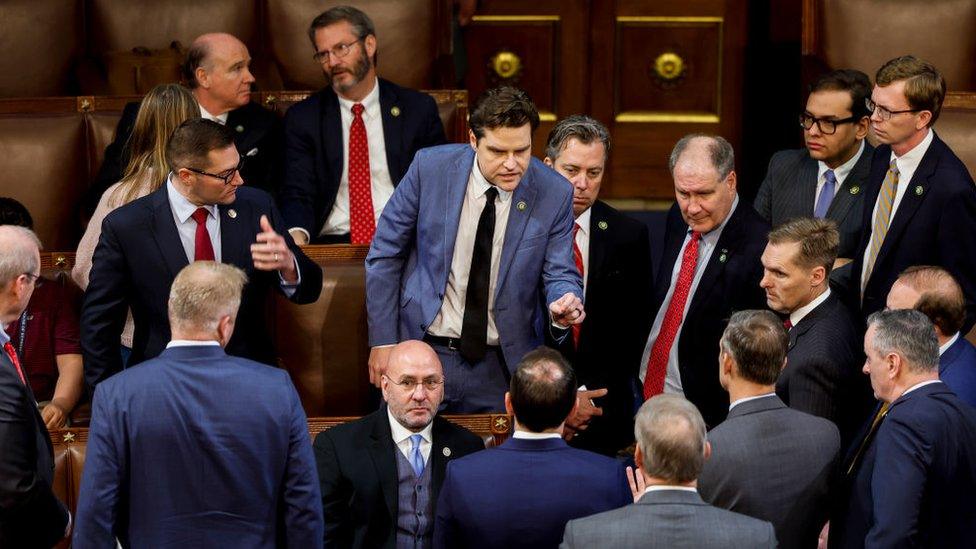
(204, 292)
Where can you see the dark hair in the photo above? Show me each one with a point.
(543, 390)
(583, 128)
(925, 88)
(818, 240)
(361, 24)
(503, 107)
(195, 56)
(940, 296)
(13, 212)
(854, 82)
(193, 140)
(758, 344)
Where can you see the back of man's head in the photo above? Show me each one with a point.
(503, 107)
(940, 296)
(191, 143)
(543, 390)
(670, 434)
(757, 343)
(203, 294)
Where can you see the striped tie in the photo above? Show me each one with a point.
(886, 200)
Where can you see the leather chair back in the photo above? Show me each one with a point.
(40, 43)
(955, 126)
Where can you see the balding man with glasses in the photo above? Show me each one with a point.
(348, 146)
(826, 179)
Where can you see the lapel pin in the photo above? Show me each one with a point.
(395, 111)
(446, 451)
(855, 189)
(232, 213)
(603, 225)
(521, 205)
(919, 190)
(239, 128)
(724, 256)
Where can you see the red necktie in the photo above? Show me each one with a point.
(657, 364)
(578, 259)
(202, 246)
(12, 353)
(787, 324)
(362, 223)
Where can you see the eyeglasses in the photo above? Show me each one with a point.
(825, 125)
(884, 113)
(337, 52)
(410, 385)
(226, 176)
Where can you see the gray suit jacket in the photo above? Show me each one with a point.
(790, 191)
(669, 519)
(773, 463)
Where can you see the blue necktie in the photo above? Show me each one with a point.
(416, 458)
(826, 195)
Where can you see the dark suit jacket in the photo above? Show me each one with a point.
(358, 475)
(256, 131)
(957, 369)
(730, 283)
(30, 515)
(773, 463)
(612, 337)
(199, 449)
(668, 519)
(314, 153)
(914, 485)
(790, 191)
(522, 493)
(139, 254)
(823, 368)
(935, 224)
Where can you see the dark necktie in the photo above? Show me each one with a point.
(202, 246)
(474, 330)
(578, 259)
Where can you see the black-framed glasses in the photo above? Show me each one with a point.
(827, 126)
(225, 176)
(337, 52)
(884, 113)
(410, 384)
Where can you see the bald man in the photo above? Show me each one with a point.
(380, 475)
(217, 70)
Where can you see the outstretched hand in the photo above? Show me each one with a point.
(270, 252)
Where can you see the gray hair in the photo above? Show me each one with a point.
(671, 434)
(18, 252)
(203, 292)
(909, 333)
(583, 128)
(720, 153)
(758, 344)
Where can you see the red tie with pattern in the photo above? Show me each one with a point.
(362, 223)
(578, 259)
(202, 246)
(788, 324)
(657, 364)
(12, 353)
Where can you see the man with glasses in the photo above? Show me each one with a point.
(380, 475)
(202, 213)
(920, 201)
(348, 146)
(826, 179)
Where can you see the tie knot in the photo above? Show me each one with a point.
(893, 167)
(829, 177)
(576, 228)
(200, 216)
(415, 441)
(695, 236)
(357, 109)
(491, 194)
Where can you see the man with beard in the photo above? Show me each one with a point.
(380, 475)
(347, 146)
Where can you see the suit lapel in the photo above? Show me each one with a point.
(440, 454)
(332, 134)
(726, 246)
(234, 243)
(392, 128)
(517, 219)
(808, 186)
(240, 125)
(810, 320)
(852, 187)
(677, 231)
(165, 233)
(599, 242)
(381, 450)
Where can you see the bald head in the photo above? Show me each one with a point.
(543, 390)
(933, 291)
(413, 384)
(217, 69)
(411, 354)
(20, 265)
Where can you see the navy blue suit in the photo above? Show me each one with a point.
(140, 253)
(314, 153)
(199, 449)
(957, 369)
(914, 485)
(523, 493)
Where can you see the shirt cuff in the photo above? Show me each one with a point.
(308, 237)
(290, 289)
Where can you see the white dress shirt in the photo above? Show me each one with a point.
(797, 315)
(840, 172)
(583, 242)
(450, 318)
(747, 399)
(919, 386)
(192, 343)
(218, 118)
(672, 379)
(944, 348)
(379, 173)
(401, 437)
(907, 164)
(660, 487)
(527, 435)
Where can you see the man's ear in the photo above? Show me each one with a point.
(708, 450)
(508, 404)
(547, 161)
(225, 329)
(472, 139)
(861, 128)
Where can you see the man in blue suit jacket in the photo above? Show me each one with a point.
(198, 448)
(933, 291)
(316, 198)
(472, 241)
(145, 243)
(523, 493)
(911, 477)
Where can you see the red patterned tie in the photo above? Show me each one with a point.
(202, 246)
(788, 324)
(578, 259)
(657, 364)
(362, 223)
(12, 353)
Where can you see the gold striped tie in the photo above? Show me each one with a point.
(886, 200)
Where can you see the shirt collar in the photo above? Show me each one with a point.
(584, 221)
(182, 207)
(481, 184)
(659, 487)
(919, 386)
(950, 343)
(527, 435)
(797, 315)
(401, 433)
(371, 103)
(192, 343)
(840, 172)
(914, 156)
(747, 399)
(219, 118)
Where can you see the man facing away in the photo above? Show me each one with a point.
(198, 448)
(522, 493)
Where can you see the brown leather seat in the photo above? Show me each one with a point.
(956, 124)
(40, 42)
